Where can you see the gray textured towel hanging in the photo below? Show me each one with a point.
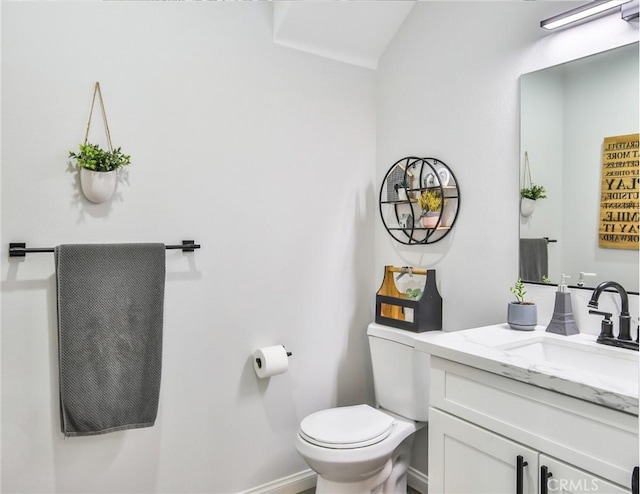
(534, 262)
(110, 314)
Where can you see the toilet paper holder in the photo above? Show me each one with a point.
(259, 361)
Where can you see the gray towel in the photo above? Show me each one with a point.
(534, 263)
(110, 312)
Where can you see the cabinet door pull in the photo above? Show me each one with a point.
(520, 464)
(544, 476)
(635, 481)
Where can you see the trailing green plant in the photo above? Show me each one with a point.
(430, 200)
(519, 291)
(93, 157)
(534, 192)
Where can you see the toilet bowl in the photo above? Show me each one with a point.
(365, 450)
(357, 449)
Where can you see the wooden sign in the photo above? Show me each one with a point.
(619, 196)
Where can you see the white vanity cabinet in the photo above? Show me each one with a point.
(571, 480)
(484, 427)
(466, 459)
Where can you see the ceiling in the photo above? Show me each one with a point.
(355, 32)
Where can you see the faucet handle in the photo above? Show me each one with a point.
(606, 327)
(607, 315)
(582, 275)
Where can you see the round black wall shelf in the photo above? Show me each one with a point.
(402, 214)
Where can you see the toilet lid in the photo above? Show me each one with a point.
(346, 427)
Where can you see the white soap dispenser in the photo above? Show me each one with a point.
(563, 321)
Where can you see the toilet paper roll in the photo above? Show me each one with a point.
(270, 361)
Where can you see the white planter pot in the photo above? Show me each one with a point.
(527, 207)
(98, 187)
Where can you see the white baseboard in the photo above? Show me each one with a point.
(292, 484)
(301, 481)
(418, 480)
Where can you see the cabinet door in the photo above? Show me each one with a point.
(466, 459)
(565, 479)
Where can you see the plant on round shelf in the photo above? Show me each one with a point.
(98, 169)
(521, 314)
(401, 188)
(431, 203)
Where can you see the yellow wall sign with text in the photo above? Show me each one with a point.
(619, 196)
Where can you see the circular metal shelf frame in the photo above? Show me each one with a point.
(399, 207)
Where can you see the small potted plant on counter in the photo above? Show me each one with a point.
(521, 315)
(528, 198)
(98, 170)
(431, 203)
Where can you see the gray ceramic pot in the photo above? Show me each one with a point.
(522, 316)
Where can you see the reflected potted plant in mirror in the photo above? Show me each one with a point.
(528, 198)
(521, 314)
(401, 188)
(431, 203)
(98, 170)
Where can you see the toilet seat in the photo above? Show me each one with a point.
(346, 427)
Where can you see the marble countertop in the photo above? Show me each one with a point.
(477, 348)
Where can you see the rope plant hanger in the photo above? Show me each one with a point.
(98, 167)
(98, 92)
(529, 192)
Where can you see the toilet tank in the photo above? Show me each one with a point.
(400, 373)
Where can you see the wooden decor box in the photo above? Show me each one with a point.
(399, 311)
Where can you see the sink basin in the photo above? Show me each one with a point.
(580, 355)
(573, 365)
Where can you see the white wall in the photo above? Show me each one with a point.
(448, 87)
(615, 114)
(198, 94)
(541, 135)
(263, 155)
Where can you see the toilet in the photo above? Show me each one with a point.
(361, 449)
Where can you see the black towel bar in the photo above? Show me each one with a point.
(549, 240)
(19, 249)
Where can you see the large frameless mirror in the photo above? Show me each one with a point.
(567, 111)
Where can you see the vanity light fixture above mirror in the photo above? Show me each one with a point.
(580, 13)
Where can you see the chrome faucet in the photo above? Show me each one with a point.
(624, 334)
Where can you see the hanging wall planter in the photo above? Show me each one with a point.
(98, 168)
(527, 206)
(98, 187)
(529, 192)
